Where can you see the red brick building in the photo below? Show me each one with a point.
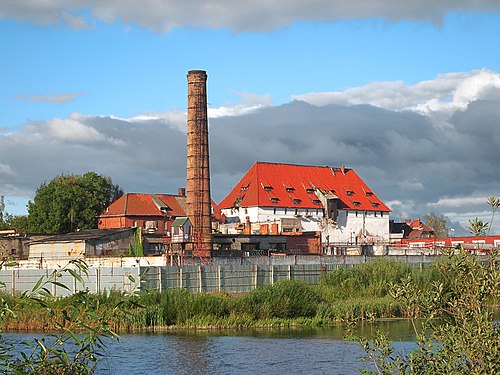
(154, 213)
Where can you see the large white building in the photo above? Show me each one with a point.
(299, 198)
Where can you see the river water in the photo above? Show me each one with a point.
(283, 351)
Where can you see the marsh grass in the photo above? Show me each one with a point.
(361, 293)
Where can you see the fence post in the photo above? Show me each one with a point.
(272, 275)
(159, 279)
(255, 271)
(13, 282)
(97, 280)
(200, 285)
(289, 272)
(180, 278)
(219, 284)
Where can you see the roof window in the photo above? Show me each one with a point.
(375, 204)
(310, 191)
(290, 189)
(356, 204)
(266, 186)
(274, 199)
(369, 193)
(316, 201)
(296, 201)
(350, 192)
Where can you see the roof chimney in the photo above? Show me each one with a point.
(181, 192)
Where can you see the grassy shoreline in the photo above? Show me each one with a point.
(345, 296)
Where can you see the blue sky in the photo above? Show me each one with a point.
(82, 76)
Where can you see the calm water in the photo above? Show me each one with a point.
(304, 351)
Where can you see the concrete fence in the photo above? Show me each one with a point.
(229, 275)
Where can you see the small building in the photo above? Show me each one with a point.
(85, 243)
(181, 230)
(13, 245)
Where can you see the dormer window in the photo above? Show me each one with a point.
(350, 192)
(266, 186)
(316, 201)
(274, 200)
(290, 189)
(369, 193)
(296, 201)
(310, 191)
(356, 204)
(375, 204)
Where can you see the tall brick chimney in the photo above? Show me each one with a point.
(198, 201)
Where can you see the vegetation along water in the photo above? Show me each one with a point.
(457, 289)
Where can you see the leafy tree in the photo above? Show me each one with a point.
(70, 202)
(17, 222)
(477, 227)
(437, 224)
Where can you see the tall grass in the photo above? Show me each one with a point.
(357, 293)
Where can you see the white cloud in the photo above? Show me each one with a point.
(6, 170)
(51, 98)
(456, 202)
(164, 15)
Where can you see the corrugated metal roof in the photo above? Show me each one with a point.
(83, 235)
(291, 185)
(179, 222)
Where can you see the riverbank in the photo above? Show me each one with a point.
(346, 296)
(360, 293)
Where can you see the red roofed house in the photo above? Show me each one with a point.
(300, 198)
(154, 213)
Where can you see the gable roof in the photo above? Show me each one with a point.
(136, 204)
(139, 204)
(291, 185)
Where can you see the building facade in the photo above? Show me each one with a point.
(296, 198)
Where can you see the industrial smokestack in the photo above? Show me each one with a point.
(198, 201)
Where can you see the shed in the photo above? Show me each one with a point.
(85, 243)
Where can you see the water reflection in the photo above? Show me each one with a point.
(277, 351)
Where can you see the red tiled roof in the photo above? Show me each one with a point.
(137, 204)
(290, 185)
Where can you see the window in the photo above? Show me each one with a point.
(296, 201)
(356, 204)
(369, 193)
(375, 204)
(316, 201)
(274, 200)
(310, 191)
(290, 189)
(350, 192)
(266, 186)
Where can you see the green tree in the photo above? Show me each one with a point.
(71, 202)
(477, 227)
(437, 224)
(17, 222)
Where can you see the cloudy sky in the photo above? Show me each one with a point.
(406, 93)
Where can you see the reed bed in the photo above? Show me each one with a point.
(360, 293)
